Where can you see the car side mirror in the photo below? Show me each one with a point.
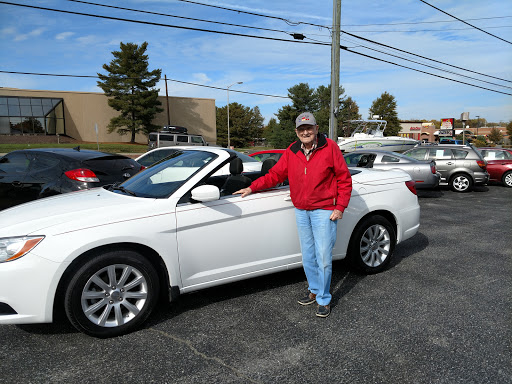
(206, 193)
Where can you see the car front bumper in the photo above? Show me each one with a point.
(27, 290)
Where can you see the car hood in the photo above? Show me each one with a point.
(60, 212)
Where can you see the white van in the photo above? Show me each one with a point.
(166, 139)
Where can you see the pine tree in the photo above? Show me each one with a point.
(317, 101)
(245, 124)
(129, 85)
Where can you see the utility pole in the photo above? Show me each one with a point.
(335, 69)
(167, 100)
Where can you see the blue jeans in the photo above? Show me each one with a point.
(317, 234)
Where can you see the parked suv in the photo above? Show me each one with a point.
(168, 139)
(461, 166)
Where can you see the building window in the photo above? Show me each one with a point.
(31, 116)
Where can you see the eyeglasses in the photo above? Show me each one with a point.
(303, 128)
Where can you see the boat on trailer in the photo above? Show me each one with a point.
(369, 134)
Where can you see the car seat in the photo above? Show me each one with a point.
(235, 180)
(266, 165)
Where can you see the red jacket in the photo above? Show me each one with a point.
(323, 182)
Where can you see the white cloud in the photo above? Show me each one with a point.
(88, 40)
(8, 31)
(64, 35)
(33, 33)
(202, 78)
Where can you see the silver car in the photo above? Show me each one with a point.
(424, 173)
(461, 166)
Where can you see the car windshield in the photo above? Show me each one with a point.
(162, 179)
(245, 158)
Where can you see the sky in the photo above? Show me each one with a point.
(48, 42)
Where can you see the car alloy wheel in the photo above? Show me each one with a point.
(372, 244)
(112, 294)
(507, 179)
(460, 183)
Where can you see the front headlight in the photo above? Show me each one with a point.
(12, 248)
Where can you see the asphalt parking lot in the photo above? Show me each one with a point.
(442, 313)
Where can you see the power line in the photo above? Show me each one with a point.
(427, 65)
(173, 80)
(276, 30)
(462, 21)
(255, 14)
(424, 22)
(243, 35)
(423, 57)
(427, 30)
(315, 41)
(178, 17)
(419, 70)
(273, 30)
(155, 24)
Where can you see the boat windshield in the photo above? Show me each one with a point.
(367, 127)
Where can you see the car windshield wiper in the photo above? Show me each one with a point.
(123, 189)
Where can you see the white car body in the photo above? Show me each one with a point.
(200, 244)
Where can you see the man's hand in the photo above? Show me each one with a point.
(245, 192)
(336, 215)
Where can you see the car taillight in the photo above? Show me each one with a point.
(82, 174)
(411, 184)
(142, 168)
(482, 164)
(433, 168)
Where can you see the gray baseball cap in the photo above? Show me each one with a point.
(305, 118)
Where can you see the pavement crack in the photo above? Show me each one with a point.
(204, 356)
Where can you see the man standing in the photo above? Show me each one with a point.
(320, 188)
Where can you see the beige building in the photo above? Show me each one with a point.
(76, 114)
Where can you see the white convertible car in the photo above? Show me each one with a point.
(105, 255)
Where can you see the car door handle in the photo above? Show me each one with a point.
(450, 163)
(17, 183)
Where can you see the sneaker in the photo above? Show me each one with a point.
(310, 298)
(323, 310)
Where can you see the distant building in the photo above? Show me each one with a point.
(417, 130)
(75, 114)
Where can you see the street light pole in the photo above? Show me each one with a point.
(477, 125)
(229, 86)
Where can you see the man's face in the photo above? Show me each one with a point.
(307, 133)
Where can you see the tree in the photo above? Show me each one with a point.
(495, 135)
(129, 85)
(307, 99)
(385, 107)
(245, 124)
(509, 131)
(349, 110)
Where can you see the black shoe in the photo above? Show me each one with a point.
(323, 310)
(310, 298)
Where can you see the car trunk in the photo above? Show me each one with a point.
(111, 169)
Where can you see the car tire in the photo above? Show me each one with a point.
(111, 294)
(507, 179)
(461, 182)
(372, 244)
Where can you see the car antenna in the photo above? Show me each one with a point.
(77, 148)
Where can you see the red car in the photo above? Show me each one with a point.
(268, 154)
(499, 164)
